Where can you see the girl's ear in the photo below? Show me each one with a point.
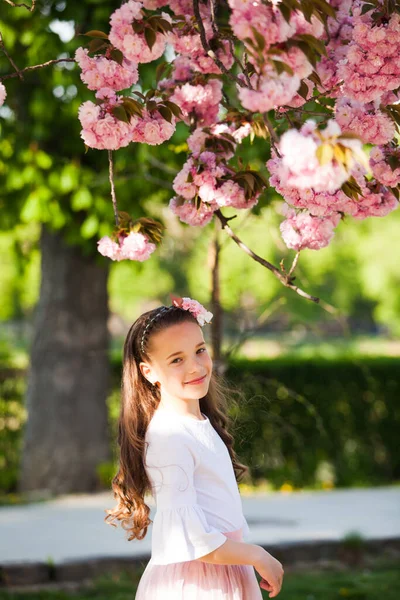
(145, 370)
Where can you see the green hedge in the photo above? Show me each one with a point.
(312, 422)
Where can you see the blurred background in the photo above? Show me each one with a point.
(317, 387)
(308, 372)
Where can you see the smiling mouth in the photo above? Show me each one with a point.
(197, 380)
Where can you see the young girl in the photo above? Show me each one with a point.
(174, 444)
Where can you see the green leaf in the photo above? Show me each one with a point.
(303, 90)
(117, 56)
(96, 45)
(259, 38)
(96, 34)
(89, 226)
(119, 113)
(176, 110)
(166, 113)
(150, 37)
(81, 200)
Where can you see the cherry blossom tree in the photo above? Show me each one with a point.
(318, 80)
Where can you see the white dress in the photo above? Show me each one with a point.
(198, 506)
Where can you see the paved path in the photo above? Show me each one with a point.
(73, 527)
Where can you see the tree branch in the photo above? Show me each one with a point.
(14, 5)
(35, 67)
(286, 280)
(113, 196)
(2, 46)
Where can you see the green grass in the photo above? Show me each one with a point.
(362, 583)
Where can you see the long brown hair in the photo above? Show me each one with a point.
(139, 400)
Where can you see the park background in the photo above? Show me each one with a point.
(317, 390)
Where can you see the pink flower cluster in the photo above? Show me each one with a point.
(365, 120)
(152, 129)
(371, 66)
(133, 45)
(100, 129)
(199, 102)
(270, 90)
(299, 165)
(198, 311)
(197, 140)
(302, 230)
(265, 18)
(381, 169)
(103, 131)
(100, 71)
(325, 209)
(206, 179)
(187, 44)
(135, 246)
(340, 34)
(3, 94)
(188, 213)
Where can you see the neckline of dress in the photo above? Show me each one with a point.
(186, 417)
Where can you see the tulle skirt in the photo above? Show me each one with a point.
(197, 580)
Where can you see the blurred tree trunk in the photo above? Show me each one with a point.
(66, 434)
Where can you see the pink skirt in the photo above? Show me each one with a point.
(197, 580)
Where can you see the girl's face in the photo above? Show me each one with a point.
(178, 356)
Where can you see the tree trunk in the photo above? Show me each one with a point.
(66, 434)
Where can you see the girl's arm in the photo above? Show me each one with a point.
(241, 553)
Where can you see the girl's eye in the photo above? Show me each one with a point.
(180, 359)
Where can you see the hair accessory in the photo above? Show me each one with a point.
(162, 310)
(198, 311)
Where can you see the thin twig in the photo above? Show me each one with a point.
(2, 46)
(113, 196)
(294, 263)
(35, 67)
(14, 5)
(283, 278)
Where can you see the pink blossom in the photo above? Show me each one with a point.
(270, 91)
(381, 169)
(199, 312)
(153, 4)
(152, 128)
(365, 120)
(101, 130)
(232, 194)
(183, 182)
(3, 94)
(300, 166)
(199, 101)
(303, 230)
(188, 213)
(377, 202)
(134, 246)
(133, 45)
(100, 71)
(267, 19)
(371, 66)
(198, 139)
(108, 248)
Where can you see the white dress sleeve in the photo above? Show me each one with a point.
(180, 529)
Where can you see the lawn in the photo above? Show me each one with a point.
(362, 583)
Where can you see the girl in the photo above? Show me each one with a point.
(174, 443)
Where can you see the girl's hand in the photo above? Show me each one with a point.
(271, 571)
